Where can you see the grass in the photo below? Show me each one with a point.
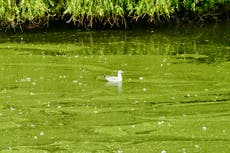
(87, 13)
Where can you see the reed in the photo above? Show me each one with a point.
(87, 13)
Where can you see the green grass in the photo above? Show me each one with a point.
(87, 13)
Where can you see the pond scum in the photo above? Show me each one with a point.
(110, 13)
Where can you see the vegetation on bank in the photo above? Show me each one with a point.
(87, 13)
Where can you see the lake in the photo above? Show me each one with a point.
(174, 97)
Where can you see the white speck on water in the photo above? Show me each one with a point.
(76, 56)
(197, 146)
(206, 89)
(133, 109)
(28, 79)
(173, 97)
(144, 89)
(224, 131)
(32, 125)
(184, 150)
(8, 46)
(163, 151)
(48, 105)
(1, 114)
(119, 151)
(133, 126)
(59, 106)
(141, 78)
(160, 122)
(34, 83)
(161, 65)
(60, 76)
(41, 133)
(12, 108)
(35, 137)
(75, 81)
(41, 78)
(31, 93)
(188, 95)
(10, 148)
(204, 128)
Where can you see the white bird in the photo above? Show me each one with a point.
(117, 78)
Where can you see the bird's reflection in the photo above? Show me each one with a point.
(115, 84)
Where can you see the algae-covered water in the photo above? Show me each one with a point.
(174, 98)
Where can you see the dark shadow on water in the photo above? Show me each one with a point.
(205, 44)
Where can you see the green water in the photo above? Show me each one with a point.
(175, 96)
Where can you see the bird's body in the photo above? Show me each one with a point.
(117, 78)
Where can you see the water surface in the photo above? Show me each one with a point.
(174, 98)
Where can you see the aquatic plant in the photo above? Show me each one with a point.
(87, 13)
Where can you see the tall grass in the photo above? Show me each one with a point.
(86, 13)
(14, 12)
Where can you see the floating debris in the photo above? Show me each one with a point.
(41, 133)
(119, 151)
(141, 78)
(75, 81)
(12, 108)
(48, 105)
(161, 122)
(163, 151)
(204, 128)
